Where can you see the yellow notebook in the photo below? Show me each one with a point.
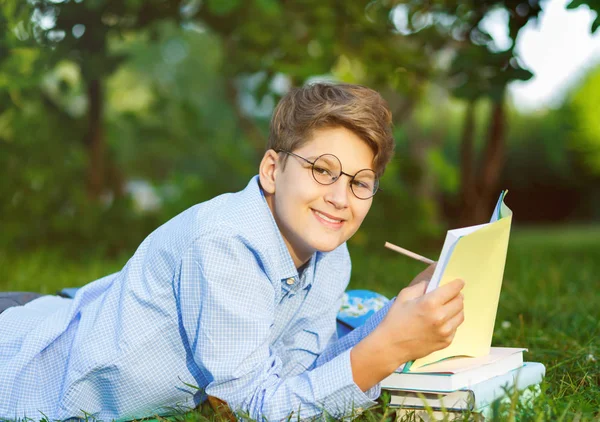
(477, 255)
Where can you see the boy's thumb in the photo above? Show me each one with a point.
(413, 292)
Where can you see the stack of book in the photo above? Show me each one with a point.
(459, 385)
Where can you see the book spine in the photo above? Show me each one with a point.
(530, 373)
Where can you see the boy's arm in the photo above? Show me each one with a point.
(408, 327)
(415, 325)
(354, 337)
(357, 335)
(227, 307)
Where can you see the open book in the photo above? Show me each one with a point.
(477, 255)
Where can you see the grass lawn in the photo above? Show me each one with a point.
(550, 303)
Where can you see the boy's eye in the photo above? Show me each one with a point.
(361, 184)
(365, 185)
(323, 171)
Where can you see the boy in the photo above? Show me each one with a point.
(237, 295)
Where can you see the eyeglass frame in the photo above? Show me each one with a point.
(312, 171)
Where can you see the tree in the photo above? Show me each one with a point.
(81, 31)
(592, 5)
(478, 70)
(582, 107)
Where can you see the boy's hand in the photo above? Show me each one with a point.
(418, 324)
(424, 275)
(415, 325)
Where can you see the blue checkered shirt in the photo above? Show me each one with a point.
(210, 304)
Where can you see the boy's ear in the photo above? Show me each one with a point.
(267, 171)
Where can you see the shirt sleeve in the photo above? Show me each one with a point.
(346, 343)
(354, 337)
(227, 306)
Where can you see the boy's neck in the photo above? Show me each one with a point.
(299, 257)
(302, 267)
(299, 261)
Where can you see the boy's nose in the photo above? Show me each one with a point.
(338, 193)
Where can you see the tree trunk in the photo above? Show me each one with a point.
(493, 162)
(95, 140)
(468, 191)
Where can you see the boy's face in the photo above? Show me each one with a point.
(314, 217)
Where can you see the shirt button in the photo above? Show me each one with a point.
(289, 281)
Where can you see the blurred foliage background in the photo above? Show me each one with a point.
(115, 115)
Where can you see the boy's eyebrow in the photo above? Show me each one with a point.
(314, 157)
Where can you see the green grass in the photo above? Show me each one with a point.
(550, 303)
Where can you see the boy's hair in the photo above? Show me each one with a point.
(357, 108)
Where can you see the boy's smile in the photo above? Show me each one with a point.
(311, 216)
(328, 219)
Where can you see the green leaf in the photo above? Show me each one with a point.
(576, 3)
(521, 74)
(271, 8)
(222, 7)
(596, 24)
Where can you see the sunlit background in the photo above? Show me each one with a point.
(560, 50)
(116, 115)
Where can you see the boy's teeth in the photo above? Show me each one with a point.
(324, 217)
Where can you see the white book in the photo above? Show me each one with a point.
(457, 373)
(452, 238)
(474, 398)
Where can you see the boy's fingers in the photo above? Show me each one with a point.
(455, 321)
(454, 306)
(427, 273)
(447, 292)
(430, 270)
(414, 291)
(420, 287)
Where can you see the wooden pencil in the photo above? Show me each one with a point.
(406, 252)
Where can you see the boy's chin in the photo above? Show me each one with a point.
(327, 246)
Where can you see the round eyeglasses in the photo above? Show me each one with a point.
(327, 169)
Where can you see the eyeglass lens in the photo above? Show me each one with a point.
(327, 169)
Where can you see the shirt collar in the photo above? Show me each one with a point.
(279, 264)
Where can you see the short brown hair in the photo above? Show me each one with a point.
(316, 106)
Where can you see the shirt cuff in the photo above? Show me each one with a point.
(372, 393)
(344, 397)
